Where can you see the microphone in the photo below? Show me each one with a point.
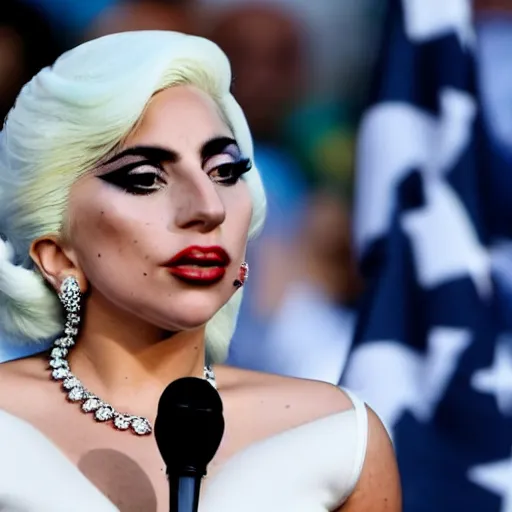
(188, 430)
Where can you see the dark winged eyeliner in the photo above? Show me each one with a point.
(238, 169)
(130, 183)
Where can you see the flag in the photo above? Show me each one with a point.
(432, 353)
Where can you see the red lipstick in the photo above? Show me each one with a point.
(199, 265)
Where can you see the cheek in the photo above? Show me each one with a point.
(118, 256)
(108, 237)
(238, 213)
(101, 242)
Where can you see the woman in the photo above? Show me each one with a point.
(128, 191)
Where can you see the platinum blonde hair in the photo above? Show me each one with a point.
(66, 119)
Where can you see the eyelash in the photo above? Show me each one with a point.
(133, 183)
(235, 170)
(130, 182)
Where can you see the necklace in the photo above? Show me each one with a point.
(90, 403)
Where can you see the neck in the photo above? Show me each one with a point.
(127, 363)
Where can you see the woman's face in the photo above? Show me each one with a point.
(173, 186)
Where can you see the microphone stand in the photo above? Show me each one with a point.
(184, 491)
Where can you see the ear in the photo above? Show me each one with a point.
(56, 261)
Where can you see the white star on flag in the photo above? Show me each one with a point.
(395, 157)
(430, 19)
(410, 379)
(496, 477)
(497, 379)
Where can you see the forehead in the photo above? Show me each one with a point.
(179, 114)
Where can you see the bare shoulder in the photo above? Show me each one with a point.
(26, 368)
(378, 488)
(283, 402)
(22, 380)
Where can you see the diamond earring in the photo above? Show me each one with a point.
(243, 275)
(70, 296)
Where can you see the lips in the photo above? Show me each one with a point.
(199, 265)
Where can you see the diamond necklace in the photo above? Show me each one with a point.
(90, 403)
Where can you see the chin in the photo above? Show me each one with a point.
(184, 314)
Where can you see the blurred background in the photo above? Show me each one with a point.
(383, 133)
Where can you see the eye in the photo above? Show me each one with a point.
(137, 178)
(230, 172)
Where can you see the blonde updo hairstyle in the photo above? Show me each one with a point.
(66, 119)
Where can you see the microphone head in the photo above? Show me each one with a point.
(189, 426)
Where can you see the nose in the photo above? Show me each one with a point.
(198, 204)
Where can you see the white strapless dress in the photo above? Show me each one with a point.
(310, 468)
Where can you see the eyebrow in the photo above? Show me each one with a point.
(215, 146)
(210, 148)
